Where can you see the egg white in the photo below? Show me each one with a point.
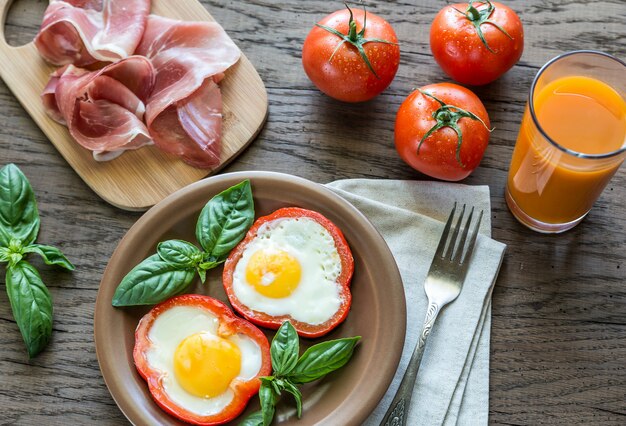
(166, 333)
(317, 297)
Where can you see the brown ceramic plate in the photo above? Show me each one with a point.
(378, 312)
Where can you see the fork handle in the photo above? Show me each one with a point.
(396, 415)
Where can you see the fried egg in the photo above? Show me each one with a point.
(194, 364)
(290, 268)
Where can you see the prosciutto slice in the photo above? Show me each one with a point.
(103, 109)
(184, 111)
(82, 32)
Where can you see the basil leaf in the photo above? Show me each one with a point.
(152, 281)
(203, 267)
(268, 398)
(293, 389)
(5, 238)
(15, 258)
(51, 255)
(19, 217)
(208, 265)
(225, 219)
(179, 252)
(202, 274)
(277, 385)
(285, 349)
(4, 254)
(15, 252)
(31, 304)
(323, 358)
(254, 419)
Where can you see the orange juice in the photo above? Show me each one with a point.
(583, 116)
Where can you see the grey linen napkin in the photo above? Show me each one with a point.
(453, 382)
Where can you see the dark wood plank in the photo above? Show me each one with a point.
(559, 324)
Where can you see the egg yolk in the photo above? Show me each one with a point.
(273, 273)
(205, 365)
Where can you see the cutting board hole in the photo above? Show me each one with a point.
(23, 21)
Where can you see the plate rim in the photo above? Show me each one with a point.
(147, 217)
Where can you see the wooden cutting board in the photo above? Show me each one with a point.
(138, 179)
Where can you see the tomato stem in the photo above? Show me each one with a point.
(479, 17)
(353, 35)
(449, 116)
(356, 39)
(472, 13)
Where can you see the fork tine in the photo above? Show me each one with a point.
(472, 243)
(455, 234)
(444, 235)
(461, 248)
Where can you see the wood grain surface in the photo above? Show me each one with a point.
(138, 179)
(558, 345)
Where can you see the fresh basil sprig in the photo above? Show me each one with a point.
(19, 226)
(222, 224)
(290, 371)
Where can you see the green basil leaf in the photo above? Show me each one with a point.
(15, 252)
(202, 274)
(225, 219)
(4, 254)
(277, 385)
(285, 349)
(203, 267)
(254, 419)
(268, 398)
(19, 217)
(51, 255)
(31, 304)
(5, 237)
(208, 265)
(297, 395)
(179, 252)
(15, 258)
(323, 358)
(152, 281)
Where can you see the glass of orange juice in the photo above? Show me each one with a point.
(571, 141)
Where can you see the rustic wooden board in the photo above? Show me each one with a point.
(138, 179)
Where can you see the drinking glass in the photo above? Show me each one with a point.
(566, 152)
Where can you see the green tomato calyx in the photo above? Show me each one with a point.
(479, 17)
(449, 116)
(355, 38)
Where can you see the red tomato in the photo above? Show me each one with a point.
(229, 325)
(336, 53)
(343, 281)
(476, 43)
(445, 153)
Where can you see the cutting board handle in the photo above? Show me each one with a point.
(4, 10)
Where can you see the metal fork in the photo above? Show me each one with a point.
(443, 284)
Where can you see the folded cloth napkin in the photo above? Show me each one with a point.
(453, 382)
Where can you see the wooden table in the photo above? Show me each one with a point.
(558, 346)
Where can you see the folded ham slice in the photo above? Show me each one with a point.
(184, 111)
(103, 109)
(82, 32)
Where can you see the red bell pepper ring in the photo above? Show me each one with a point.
(343, 281)
(229, 324)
